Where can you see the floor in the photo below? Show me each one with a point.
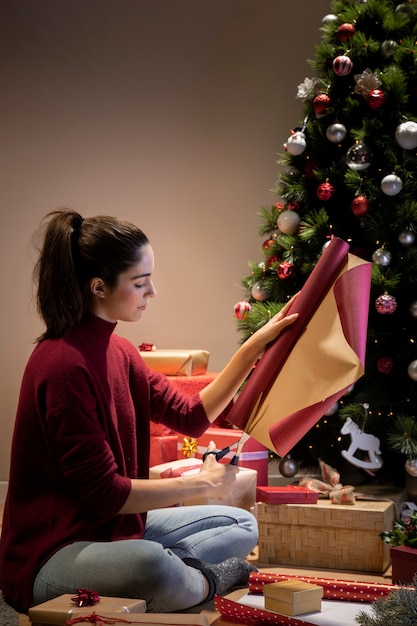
(341, 575)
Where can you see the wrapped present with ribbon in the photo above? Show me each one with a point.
(330, 486)
(69, 608)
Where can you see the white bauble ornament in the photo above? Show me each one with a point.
(412, 370)
(336, 133)
(406, 135)
(391, 185)
(296, 143)
(288, 222)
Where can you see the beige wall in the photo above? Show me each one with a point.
(169, 113)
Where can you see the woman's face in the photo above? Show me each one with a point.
(126, 301)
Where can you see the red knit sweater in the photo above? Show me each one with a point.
(81, 433)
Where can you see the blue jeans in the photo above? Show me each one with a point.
(152, 568)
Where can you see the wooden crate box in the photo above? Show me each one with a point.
(332, 536)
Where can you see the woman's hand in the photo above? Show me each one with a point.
(274, 327)
(220, 477)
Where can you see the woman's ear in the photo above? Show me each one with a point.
(98, 287)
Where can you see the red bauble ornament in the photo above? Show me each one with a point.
(285, 270)
(375, 98)
(385, 304)
(385, 365)
(242, 309)
(360, 205)
(325, 191)
(321, 104)
(267, 244)
(271, 260)
(345, 32)
(342, 65)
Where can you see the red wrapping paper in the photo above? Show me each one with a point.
(325, 346)
(240, 614)
(350, 590)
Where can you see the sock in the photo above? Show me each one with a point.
(222, 576)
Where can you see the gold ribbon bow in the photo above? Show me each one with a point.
(189, 446)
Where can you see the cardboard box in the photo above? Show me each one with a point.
(289, 494)
(293, 597)
(332, 536)
(241, 495)
(61, 609)
(177, 362)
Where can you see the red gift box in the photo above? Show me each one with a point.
(404, 564)
(289, 494)
(163, 449)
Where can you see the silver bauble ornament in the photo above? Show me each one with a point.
(382, 257)
(329, 19)
(391, 185)
(259, 292)
(336, 133)
(388, 48)
(406, 237)
(288, 467)
(411, 467)
(288, 222)
(406, 135)
(333, 409)
(413, 309)
(412, 370)
(358, 157)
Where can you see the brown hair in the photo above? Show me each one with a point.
(75, 250)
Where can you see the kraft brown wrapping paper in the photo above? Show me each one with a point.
(314, 361)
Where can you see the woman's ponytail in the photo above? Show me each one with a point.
(59, 299)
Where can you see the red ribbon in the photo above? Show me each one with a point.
(97, 619)
(86, 597)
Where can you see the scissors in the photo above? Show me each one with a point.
(219, 454)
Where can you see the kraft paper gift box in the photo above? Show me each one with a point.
(242, 494)
(293, 597)
(61, 609)
(177, 362)
(254, 455)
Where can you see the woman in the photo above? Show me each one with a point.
(80, 510)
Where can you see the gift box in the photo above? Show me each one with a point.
(241, 495)
(404, 564)
(289, 494)
(293, 597)
(254, 455)
(176, 362)
(61, 609)
(163, 449)
(332, 536)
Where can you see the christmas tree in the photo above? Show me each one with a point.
(349, 169)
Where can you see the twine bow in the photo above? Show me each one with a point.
(330, 486)
(189, 446)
